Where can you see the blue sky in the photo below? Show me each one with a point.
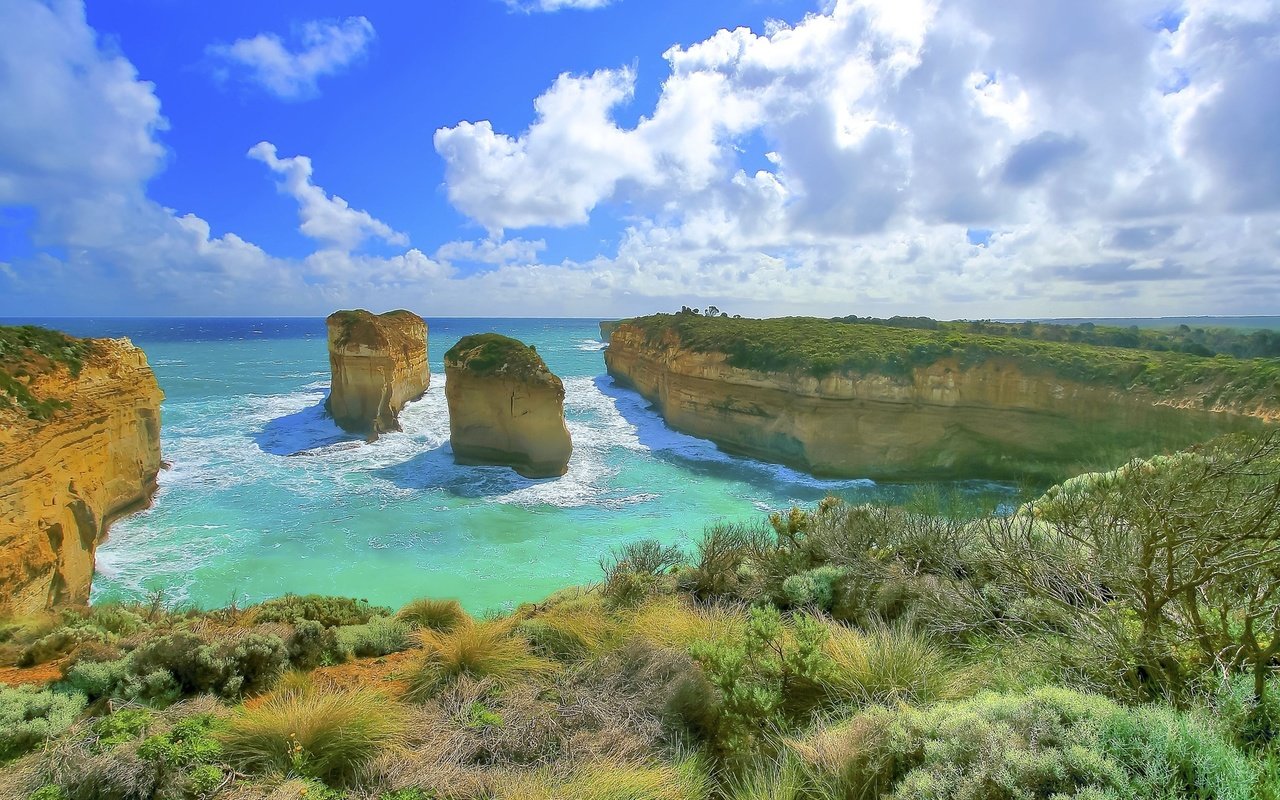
(605, 157)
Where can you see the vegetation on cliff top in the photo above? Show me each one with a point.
(494, 354)
(365, 325)
(27, 351)
(1182, 338)
(841, 652)
(823, 347)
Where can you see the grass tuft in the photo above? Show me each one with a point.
(328, 736)
(433, 614)
(482, 650)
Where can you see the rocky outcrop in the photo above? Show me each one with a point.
(64, 479)
(505, 407)
(993, 419)
(378, 364)
(607, 327)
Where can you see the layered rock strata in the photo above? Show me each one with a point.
(505, 407)
(378, 364)
(942, 420)
(63, 480)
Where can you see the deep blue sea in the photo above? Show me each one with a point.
(266, 496)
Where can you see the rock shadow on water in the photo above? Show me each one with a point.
(436, 469)
(704, 457)
(302, 432)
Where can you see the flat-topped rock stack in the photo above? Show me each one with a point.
(378, 364)
(505, 407)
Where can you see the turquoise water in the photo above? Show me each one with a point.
(266, 496)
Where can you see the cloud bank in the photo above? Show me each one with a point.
(327, 48)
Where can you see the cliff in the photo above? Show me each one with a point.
(505, 407)
(898, 404)
(79, 447)
(378, 363)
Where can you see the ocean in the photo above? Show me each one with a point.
(266, 496)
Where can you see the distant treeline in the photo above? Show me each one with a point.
(1182, 339)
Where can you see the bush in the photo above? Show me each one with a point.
(567, 634)
(815, 588)
(1051, 743)
(378, 637)
(312, 644)
(633, 572)
(762, 680)
(327, 736)
(722, 553)
(29, 716)
(183, 663)
(331, 612)
(485, 650)
(436, 615)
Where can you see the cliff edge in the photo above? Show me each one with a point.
(79, 447)
(505, 407)
(891, 403)
(378, 363)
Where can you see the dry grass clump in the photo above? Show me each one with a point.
(676, 623)
(433, 614)
(569, 633)
(329, 736)
(614, 779)
(888, 665)
(481, 650)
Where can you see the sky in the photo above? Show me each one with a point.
(599, 158)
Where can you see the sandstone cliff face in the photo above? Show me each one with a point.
(378, 363)
(505, 407)
(64, 480)
(942, 421)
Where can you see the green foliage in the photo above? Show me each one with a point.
(48, 792)
(331, 612)
(377, 637)
(191, 742)
(633, 572)
(204, 780)
(438, 615)
(29, 716)
(815, 588)
(325, 736)
(822, 347)
(312, 644)
(888, 665)
(493, 353)
(480, 716)
(1051, 743)
(183, 663)
(27, 351)
(763, 679)
(123, 726)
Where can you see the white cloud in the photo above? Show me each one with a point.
(531, 6)
(326, 218)
(326, 48)
(491, 251)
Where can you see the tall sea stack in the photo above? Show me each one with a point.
(79, 447)
(505, 407)
(378, 363)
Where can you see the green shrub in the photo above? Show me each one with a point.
(328, 736)
(1051, 743)
(48, 792)
(97, 678)
(762, 680)
(29, 716)
(378, 637)
(204, 780)
(888, 665)
(437, 615)
(331, 612)
(312, 644)
(815, 588)
(123, 726)
(191, 742)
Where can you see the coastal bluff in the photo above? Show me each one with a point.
(506, 407)
(378, 363)
(875, 402)
(79, 447)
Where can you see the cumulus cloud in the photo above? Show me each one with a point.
(1103, 144)
(326, 218)
(325, 48)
